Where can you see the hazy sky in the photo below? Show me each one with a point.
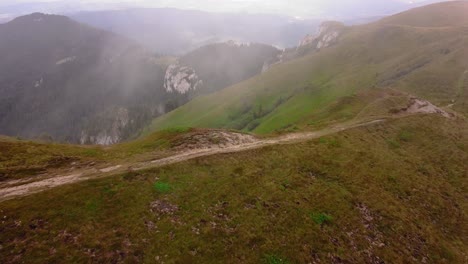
(299, 8)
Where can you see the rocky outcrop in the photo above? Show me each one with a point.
(208, 139)
(181, 79)
(327, 35)
(308, 39)
(419, 106)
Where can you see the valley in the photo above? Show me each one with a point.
(189, 146)
(91, 86)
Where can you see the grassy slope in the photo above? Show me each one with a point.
(297, 203)
(435, 15)
(394, 191)
(25, 158)
(19, 159)
(426, 61)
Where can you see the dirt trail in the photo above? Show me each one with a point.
(13, 189)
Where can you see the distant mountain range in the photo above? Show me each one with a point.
(343, 9)
(175, 31)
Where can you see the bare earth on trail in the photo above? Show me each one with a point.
(221, 142)
(194, 145)
(198, 143)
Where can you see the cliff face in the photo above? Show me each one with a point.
(181, 79)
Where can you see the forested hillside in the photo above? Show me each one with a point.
(68, 82)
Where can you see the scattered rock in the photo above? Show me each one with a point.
(195, 230)
(150, 225)
(68, 238)
(373, 236)
(162, 207)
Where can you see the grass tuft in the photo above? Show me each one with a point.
(321, 218)
(273, 259)
(162, 187)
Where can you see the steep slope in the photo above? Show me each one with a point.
(430, 62)
(74, 83)
(69, 82)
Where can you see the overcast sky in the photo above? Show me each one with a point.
(298, 8)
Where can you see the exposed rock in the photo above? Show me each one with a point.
(150, 225)
(327, 39)
(327, 35)
(309, 38)
(181, 79)
(38, 83)
(424, 107)
(161, 207)
(373, 236)
(211, 139)
(65, 60)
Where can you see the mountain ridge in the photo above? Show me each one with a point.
(293, 93)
